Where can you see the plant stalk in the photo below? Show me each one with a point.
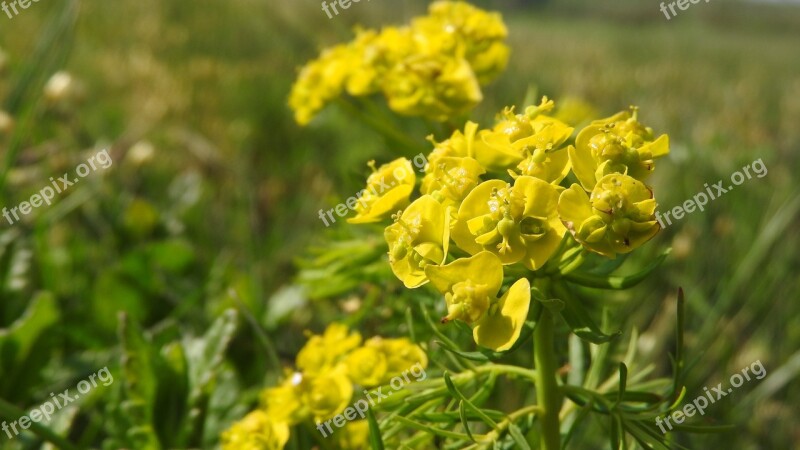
(548, 393)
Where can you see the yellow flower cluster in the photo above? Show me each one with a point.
(495, 193)
(328, 367)
(433, 67)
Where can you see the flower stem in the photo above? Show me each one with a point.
(548, 393)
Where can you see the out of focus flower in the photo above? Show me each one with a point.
(366, 366)
(455, 27)
(618, 144)
(327, 394)
(470, 286)
(6, 122)
(517, 223)
(617, 218)
(434, 86)
(62, 87)
(321, 81)
(354, 436)
(323, 353)
(256, 431)
(388, 189)
(419, 237)
(401, 355)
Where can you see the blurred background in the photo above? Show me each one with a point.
(213, 197)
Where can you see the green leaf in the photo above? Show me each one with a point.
(462, 412)
(139, 384)
(623, 382)
(516, 435)
(616, 282)
(205, 355)
(375, 439)
(23, 349)
(457, 394)
(578, 319)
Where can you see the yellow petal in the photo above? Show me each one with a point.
(484, 268)
(499, 329)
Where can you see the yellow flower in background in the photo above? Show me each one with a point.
(326, 394)
(617, 218)
(530, 142)
(419, 237)
(618, 144)
(437, 86)
(256, 431)
(321, 81)
(388, 189)
(401, 355)
(432, 68)
(282, 402)
(460, 28)
(323, 353)
(354, 436)
(376, 53)
(366, 366)
(518, 224)
(470, 286)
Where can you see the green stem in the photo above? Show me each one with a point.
(12, 413)
(548, 393)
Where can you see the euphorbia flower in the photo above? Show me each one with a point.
(419, 237)
(618, 144)
(518, 224)
(366, 366)
(532, 138)
(401, 354)
(449, 179)
(458, 27)
(327, 394)
(388, 189)
(256, 431)
(435, 86)
(616, 218)
(470, 287)
(322, 353)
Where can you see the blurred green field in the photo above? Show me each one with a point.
(214, 194)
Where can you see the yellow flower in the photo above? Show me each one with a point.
(518, 224)
(470, 286)
(618, 144)
(282, 402)
(322, 353)
(451, 178)
(419, 237)
(531, 142)
(617, 218)
(320, 81)
(434, 86)
(354, 436)
(376, 53)
(327, 394)
(388, 189)
(458, 27)
(366, 366)
(256, 431)
(401, 355)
